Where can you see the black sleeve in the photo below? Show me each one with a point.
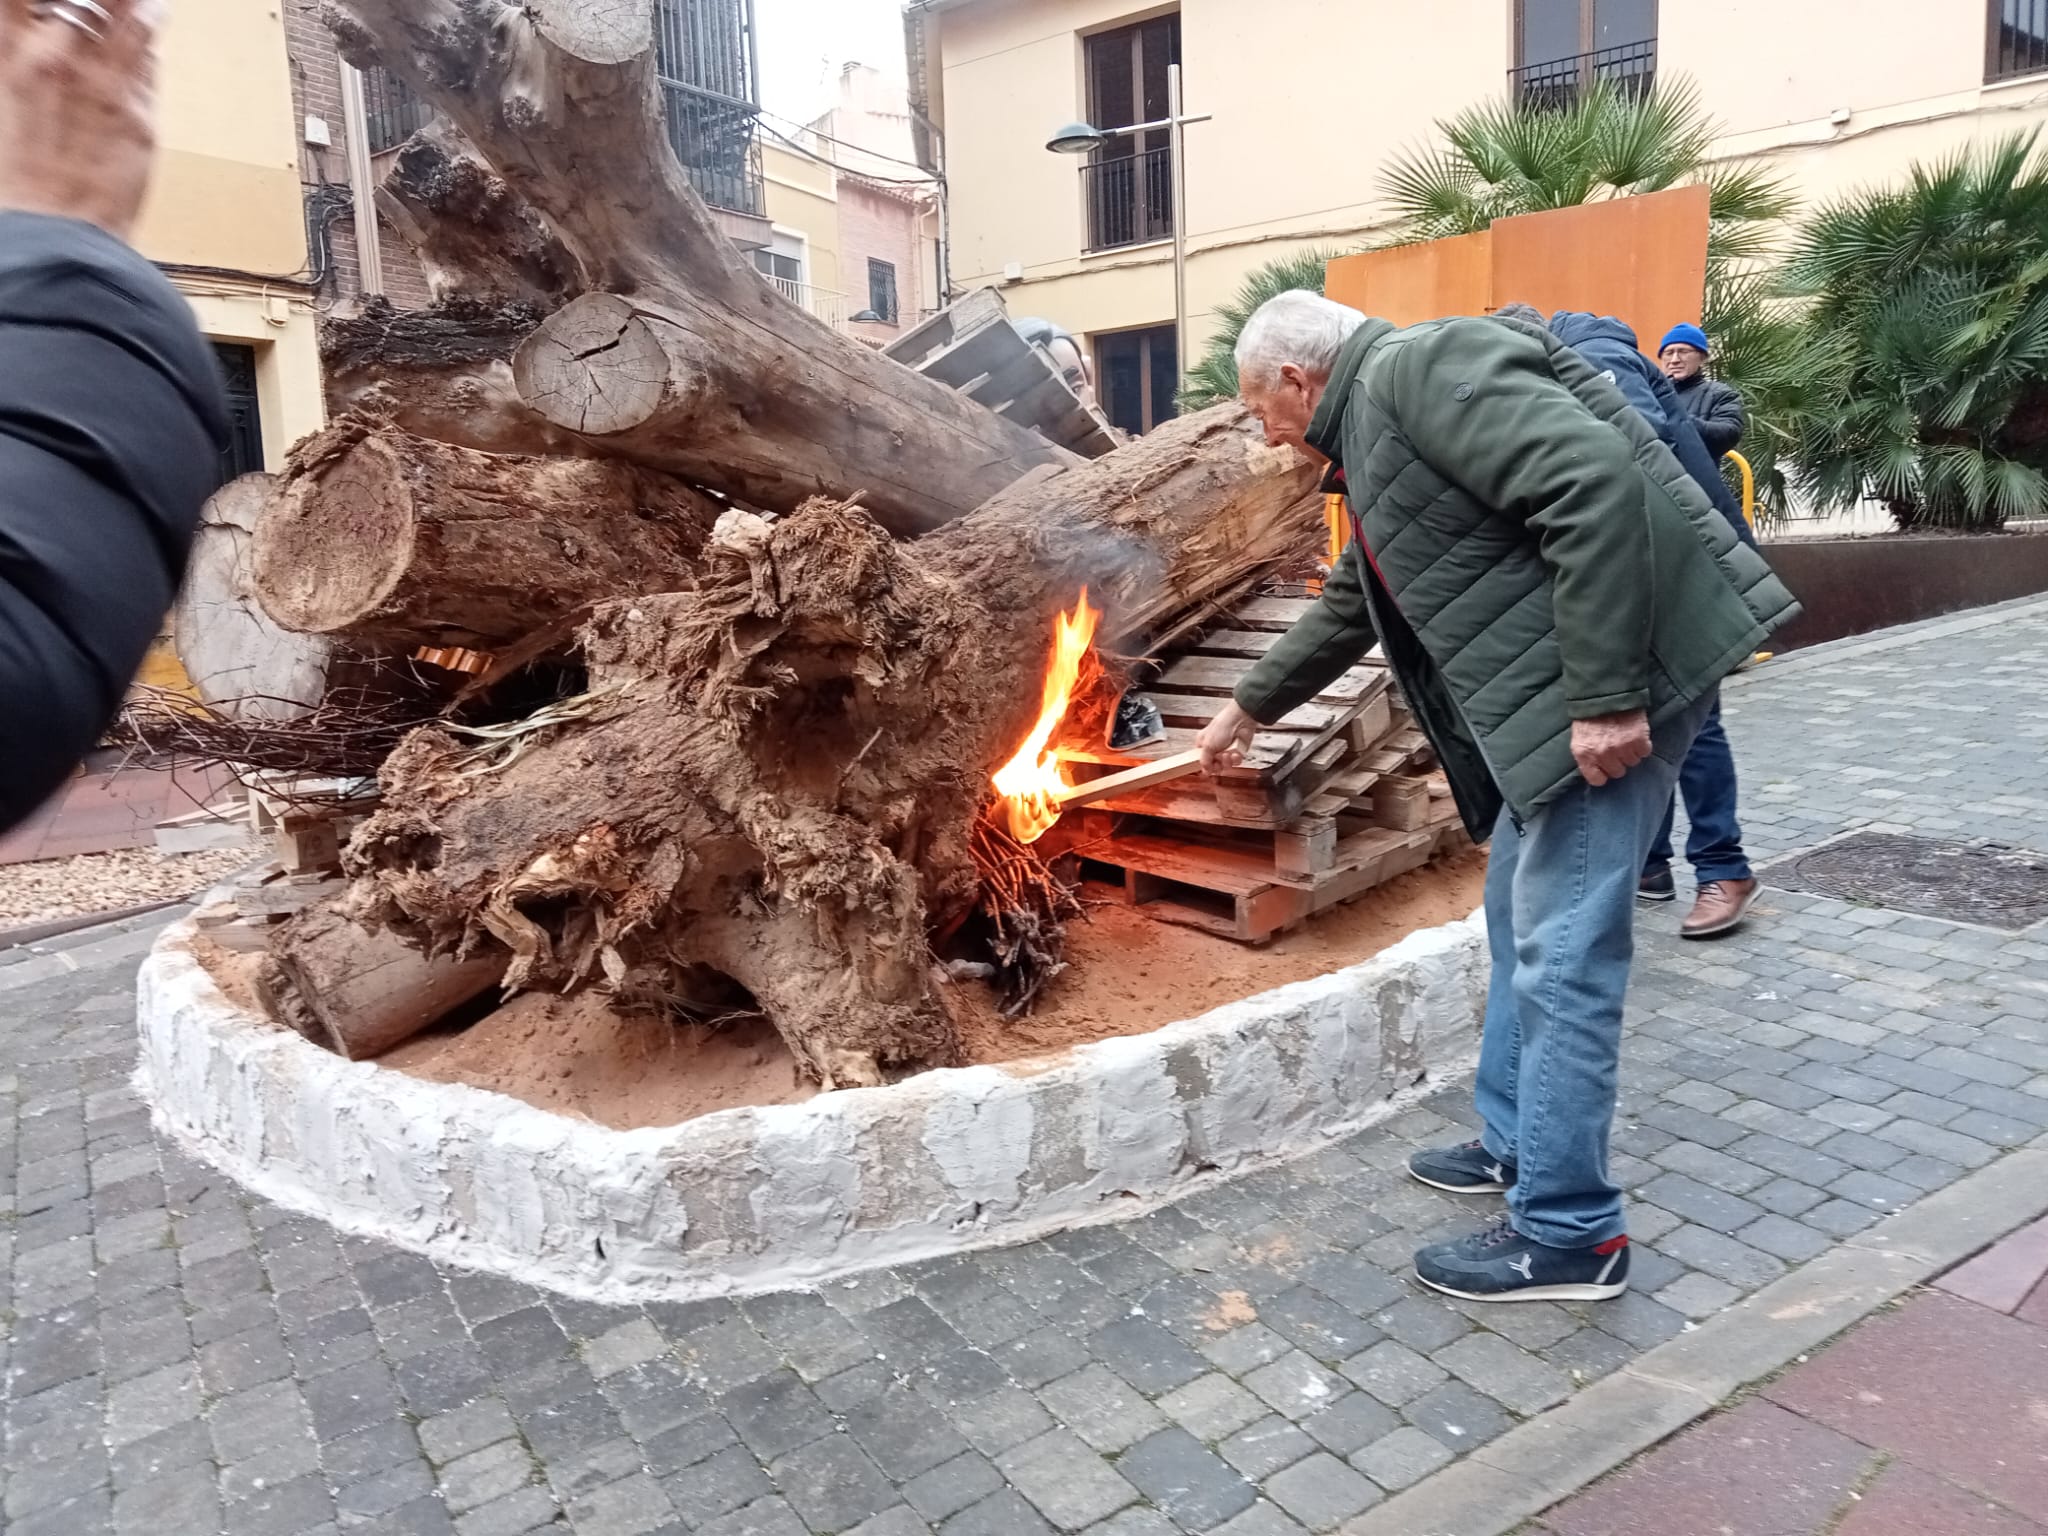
(111, 430)
(1721, 426)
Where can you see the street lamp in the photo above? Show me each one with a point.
(1085, 139)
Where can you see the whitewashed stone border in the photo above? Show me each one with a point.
(749, 1200)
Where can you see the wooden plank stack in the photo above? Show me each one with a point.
(1330, 802)
(971, 346)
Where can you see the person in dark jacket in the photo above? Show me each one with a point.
(1715, 407)
(1559, 603)
(112, 419)
(1725, 887)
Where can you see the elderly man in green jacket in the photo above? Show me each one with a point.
(1559, 603)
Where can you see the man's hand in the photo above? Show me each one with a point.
(1607, 746)
(1223, 740)
(77, 108)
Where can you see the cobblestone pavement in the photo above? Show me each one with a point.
(1252, 1361)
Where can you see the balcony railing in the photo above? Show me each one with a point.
(1630, 68)
(828, 306)
(713, 137)
(1130, 199)
(391, 112)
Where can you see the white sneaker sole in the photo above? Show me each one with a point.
(1585, 1291)
(1458, 1189)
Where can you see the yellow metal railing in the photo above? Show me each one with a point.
(1748, 487)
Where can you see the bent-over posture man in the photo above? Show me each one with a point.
(1559, 604)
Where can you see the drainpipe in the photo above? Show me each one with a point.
(355, 122)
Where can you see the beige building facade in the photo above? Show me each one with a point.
(226, 220)
(855, 224)
(1311, 98)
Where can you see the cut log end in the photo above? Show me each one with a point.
(595, 31)
(594, 366)
(333, 547)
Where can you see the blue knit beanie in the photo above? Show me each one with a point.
(1686, 332)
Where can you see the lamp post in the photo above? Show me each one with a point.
(1083, 139)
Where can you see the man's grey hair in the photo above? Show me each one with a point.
(1297, 327)
(1528, 314)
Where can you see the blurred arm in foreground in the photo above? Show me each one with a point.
(111, 416)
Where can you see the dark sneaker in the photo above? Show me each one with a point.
(1657, 887)
(1466, 1170)
(1500, 1264)
(1720, 909)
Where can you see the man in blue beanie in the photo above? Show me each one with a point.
(1726, 886)
(1716, 409)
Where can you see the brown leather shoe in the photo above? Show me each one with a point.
(1720, 909)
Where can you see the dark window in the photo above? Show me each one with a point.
(244, 452)
(1129, 181)
(882, 289)
(2018, 39)
(788, 269)
(1560, 45)
(704, 56)
(1139, 377)
(392, 113)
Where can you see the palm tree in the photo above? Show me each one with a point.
(1214, 378)
(1509, 157)
(1933, 298)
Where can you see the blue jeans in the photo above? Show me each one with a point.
(1560, 910)
(1713, 843)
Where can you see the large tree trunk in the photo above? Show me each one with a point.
(444, 373)
(777, 777)
(473, 235)
(240, 660)
(743, 391)
(384, 537)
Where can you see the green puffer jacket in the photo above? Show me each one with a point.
(1531, 555)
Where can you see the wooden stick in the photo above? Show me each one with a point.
(1164, 771)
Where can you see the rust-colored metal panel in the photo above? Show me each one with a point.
(1411, 283)
(1643, 259)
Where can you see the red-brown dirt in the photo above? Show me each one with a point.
(1126, 974)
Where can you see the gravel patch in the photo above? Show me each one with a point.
(107, 882)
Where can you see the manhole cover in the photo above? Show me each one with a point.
(1988, 884)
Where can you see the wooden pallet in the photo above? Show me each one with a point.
(1331, 801)
(1243, 889)
(972, 347)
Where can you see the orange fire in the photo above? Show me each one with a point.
(1030, 782)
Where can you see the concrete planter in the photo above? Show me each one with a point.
(1852, 586)
(761, 1199)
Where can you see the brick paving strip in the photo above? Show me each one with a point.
(1925, 1420)
(1856, 1091)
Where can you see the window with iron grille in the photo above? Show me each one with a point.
(2018, 39)
(1139, 376)
(704, 55)
(392, 111)
(1129, 181)
(1561, 46)
(882, 289)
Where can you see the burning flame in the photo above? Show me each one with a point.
(1030, 782)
